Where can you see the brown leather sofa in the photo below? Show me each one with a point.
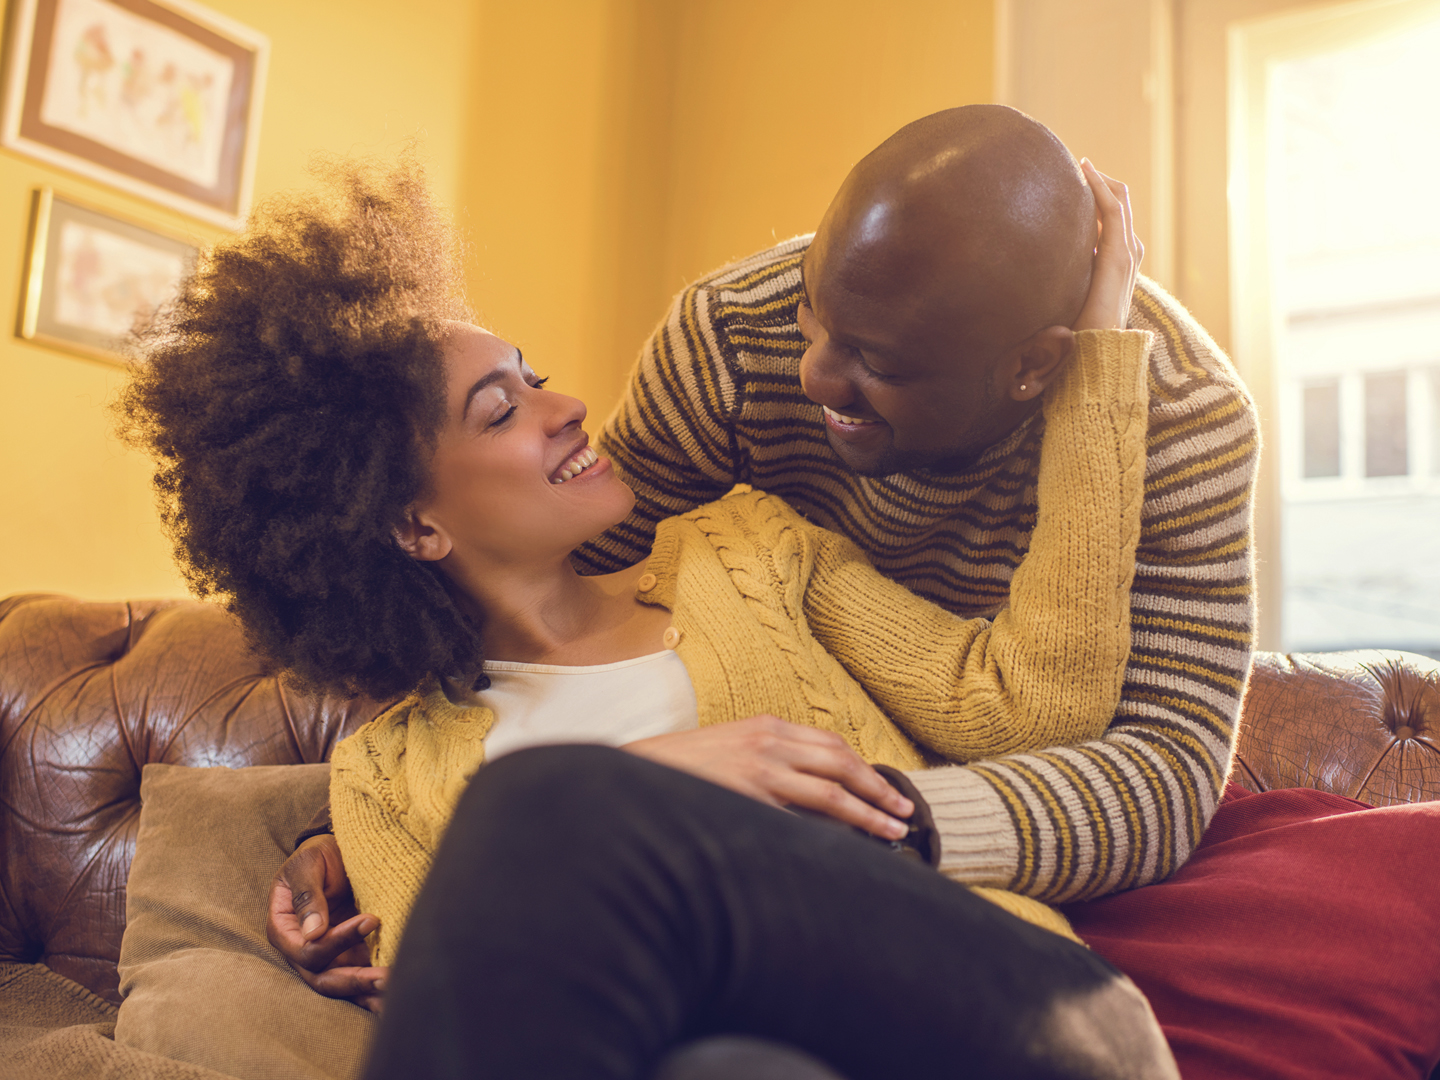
(92, 692)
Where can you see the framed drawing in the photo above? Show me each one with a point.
(159, 99)
(91, 278)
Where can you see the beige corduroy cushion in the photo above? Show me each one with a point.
(201, 982)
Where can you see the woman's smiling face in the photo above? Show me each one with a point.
(513, 481)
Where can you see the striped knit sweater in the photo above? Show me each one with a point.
(716, 401)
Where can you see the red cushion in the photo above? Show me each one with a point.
(1302, 939)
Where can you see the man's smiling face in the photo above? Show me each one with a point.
(906, 378)
(940, 287)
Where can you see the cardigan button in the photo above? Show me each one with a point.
(671, 638)
(646, 582)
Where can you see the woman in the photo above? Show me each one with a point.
(387, 498)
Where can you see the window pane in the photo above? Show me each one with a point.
(1434, 422)
(1356, 277)
(1322, 429)
(1385, 440)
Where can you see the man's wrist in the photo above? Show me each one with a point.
(320, 825)
(978, 841)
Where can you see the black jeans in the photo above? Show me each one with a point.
(589, 911)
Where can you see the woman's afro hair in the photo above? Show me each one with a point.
(292, 396)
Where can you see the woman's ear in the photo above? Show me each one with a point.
(1036, 362)
(421, 538)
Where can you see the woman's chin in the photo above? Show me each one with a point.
(629, 499)
(620, 501)
(603, 502)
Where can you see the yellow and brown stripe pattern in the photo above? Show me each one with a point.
(716, 400)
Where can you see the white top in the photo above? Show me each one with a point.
(611, 704)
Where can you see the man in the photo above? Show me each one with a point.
(885, 377)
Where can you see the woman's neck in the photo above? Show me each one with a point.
(555, 616)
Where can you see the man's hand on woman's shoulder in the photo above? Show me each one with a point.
(308, 891)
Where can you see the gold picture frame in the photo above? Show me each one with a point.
(159, 99)
(90, 277)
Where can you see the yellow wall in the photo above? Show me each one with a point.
(624, 147)
(777, 101)
(599, 153)
(347, 77)
(564, 180)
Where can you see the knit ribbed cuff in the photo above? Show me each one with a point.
(977, 839)
(1101, 364)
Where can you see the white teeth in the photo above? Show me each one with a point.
(841, 418)
(576, 465)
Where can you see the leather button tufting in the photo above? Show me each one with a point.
(646, 583)
(671, 638)
(90, 694)
(1329, 720)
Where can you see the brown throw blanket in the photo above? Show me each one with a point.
(54, 1029)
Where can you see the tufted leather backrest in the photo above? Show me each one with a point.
(1364, 724)
(91, 692)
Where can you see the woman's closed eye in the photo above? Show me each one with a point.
(538, 384)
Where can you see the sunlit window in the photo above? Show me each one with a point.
(1322, 429)
(1355, 204)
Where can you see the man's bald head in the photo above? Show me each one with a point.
(978, 213)
(951, 263)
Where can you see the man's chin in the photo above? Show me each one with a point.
(879, 462)
(874, 463)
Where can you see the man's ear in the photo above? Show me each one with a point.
(1036, 362)
(421, 538)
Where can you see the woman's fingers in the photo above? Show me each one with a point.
(1127, 215)
(786, 764)
(1112, 203)
(1118, 255)
(807, 791)
(835, 764)
(1112, 207)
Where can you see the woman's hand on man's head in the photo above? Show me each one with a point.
(307, 891)
(1117, 255)
(786, 765)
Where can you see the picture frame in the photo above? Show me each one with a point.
(90, 277)
(159, 99)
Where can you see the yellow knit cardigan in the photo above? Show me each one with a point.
(776, 615)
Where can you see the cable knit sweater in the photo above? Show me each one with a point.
(772, 614)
